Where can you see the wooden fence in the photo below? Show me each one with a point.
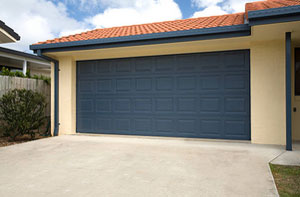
(9, 83)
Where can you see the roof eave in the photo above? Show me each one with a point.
(274, 15)
(155, 38)
(9, 31)
(21, 54)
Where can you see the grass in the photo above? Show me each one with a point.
(287, 179)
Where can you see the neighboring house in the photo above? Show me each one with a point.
(7, 34)
(20, 61)
(226, 77)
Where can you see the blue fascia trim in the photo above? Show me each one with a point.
(207, 33)
(56, 78)
(288, 56)
(274, 15)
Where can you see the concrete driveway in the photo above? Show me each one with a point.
(131, 166)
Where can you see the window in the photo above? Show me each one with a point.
(297, 71)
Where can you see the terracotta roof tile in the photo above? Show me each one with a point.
(268, 4)
(176, 25)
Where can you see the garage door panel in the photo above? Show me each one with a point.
(211, 126)
(210, 105)
(143, 84)
(191, 95)
(144, 65)
(105, 85)
(210, 82)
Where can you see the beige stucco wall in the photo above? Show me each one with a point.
(267, 56)
(67, 95)
(268, 92)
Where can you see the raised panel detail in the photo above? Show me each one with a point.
(209, 62)
(164, 105)
(165, 63)
(143, 65)
(211, 126)
(123, 84)
(143, 125)
(122, 105)
(186, 126)
(86, 68)
(164, 83)
(86, 105)
(104, 124)
(234, 59)
(210, 105)
(85, 124)
(103, 105)
(143, 84)
(122, 124)
(104, 85)
(123, 66)
(234, 127)
(186, 83)
(211, 82)
(143, 105)
(164, 125)
(186, 62)
(103, 67)
(187, 104)
(235, 82)
(86, 86)
(235, 105)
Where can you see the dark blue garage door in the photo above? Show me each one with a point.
(203, 95)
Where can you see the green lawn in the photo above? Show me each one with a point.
(287, 179)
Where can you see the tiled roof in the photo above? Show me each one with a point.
(268, 4)
(176, 25)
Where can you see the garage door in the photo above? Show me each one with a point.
(204, 95)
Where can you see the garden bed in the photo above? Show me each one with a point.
(5, 141)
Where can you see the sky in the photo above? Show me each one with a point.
(40, 20)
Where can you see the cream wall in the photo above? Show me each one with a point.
(267, 65)
(268, 92)
(67, 95)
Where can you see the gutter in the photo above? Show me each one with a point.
(56, 88)
(274, 15)
(143, 39)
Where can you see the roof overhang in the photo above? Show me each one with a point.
(145, 39)
(274, 15)
(21, 56)
(7, 34)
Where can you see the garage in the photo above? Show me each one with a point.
(201, 95)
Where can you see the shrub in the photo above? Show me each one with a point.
(6, 72)
(19, 74)
(22, 112)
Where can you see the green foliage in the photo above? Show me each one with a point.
(47, 80)
(7, 72)
(22, 112)
(19, 74)
(28, 74)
